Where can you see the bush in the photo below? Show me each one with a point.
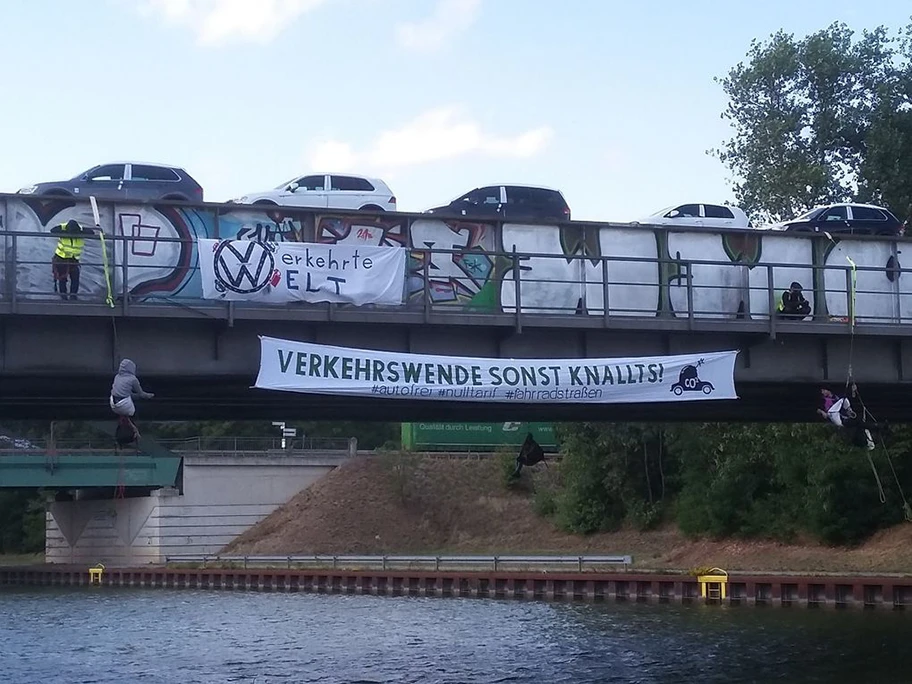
(402, 470)
(645, 515)
(507, 461)
(544, 502)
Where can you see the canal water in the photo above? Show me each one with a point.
(98, 635)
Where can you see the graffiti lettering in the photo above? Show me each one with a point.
(267, 232)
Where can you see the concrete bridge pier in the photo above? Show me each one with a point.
(222, 495)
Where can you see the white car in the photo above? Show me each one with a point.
(327, 191)
(709, 215)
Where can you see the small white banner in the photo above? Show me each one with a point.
(282, 272)
(314, 368)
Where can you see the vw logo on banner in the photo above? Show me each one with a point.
(244, 267)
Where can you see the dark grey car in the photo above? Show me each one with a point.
(127, 181)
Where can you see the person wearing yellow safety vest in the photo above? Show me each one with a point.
(792, 304)
(65, 262)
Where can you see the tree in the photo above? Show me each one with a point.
(823, 119)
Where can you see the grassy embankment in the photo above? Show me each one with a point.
(405, 505)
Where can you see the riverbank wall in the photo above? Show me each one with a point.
(848, 592)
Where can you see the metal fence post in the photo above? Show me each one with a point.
(14, 293)
(517, 289)
(850, 299)
(771, 294)
(124, 275)
(690, 296)
(426, 270)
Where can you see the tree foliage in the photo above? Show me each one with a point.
(825, 118)
(724, 480)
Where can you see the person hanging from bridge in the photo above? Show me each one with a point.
(838, 410)
(125, 387)
(67, 253)
(793, 304)
(529, 454)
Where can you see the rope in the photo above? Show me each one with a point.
(107, 271)
(852, 291)
(865, 413)
(907, 509)
(880, 489)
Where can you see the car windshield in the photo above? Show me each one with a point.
(809, 214)
(286, 183)
(663, 211)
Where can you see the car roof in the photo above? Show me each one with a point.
(142, 163)
(713, 204)
(344, 173)
(520, 185)
(848, 204)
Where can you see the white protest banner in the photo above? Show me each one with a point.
(314, 368)
(282, 272)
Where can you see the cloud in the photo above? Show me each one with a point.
(436, 135)
(449, 18)
(216, 21)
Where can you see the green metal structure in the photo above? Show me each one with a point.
(150, 465)
(89, 468)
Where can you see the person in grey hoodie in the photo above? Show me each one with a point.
(124, 388)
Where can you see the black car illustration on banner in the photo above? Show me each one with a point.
(689, 381)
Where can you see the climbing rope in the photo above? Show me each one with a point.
(851, 303)
(907, 509)
(109, 300)
(865, 413)
(880, 489)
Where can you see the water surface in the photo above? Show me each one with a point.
(99, 635)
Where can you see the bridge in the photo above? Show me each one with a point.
(492, 289)
(175, 497)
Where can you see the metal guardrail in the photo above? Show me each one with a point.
(207, 445)
(438, 563)
(581, 286)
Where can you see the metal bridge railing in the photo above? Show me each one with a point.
(578, 563)
(194, 445)
(529, 284)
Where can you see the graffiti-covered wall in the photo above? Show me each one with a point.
(569, 269)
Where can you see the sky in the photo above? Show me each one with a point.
(613, 103)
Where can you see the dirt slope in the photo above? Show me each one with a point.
(460, 506)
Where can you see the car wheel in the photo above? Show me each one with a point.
(57, 193)
(371, 207)
(268, 203)
(678, 390)
(707, 388)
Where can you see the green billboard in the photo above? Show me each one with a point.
(475, 436)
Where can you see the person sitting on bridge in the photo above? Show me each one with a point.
(793, 304)
(124, 388)
(65, 262)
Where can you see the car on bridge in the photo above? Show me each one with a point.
(327, 191)
(138, 181)
(697, 214)
(852, 219)
(508, 203)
